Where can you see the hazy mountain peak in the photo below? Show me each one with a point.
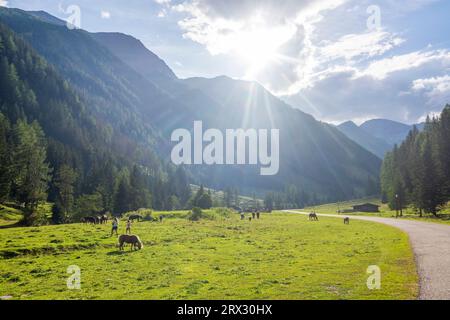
(125, 47)
(348, 124)
(134, 53)
(46, 17)
(386, 123)
(375, 145)
(391, 131)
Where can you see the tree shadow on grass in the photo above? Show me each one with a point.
(11, 225)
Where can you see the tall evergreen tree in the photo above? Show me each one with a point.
(444, 150)
(5, 159)
(64, 182)
(228, 197)
(268, 201)
(429, 187)
(122, 197)
(32, 171)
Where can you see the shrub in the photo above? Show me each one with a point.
(224, 212)
(196, 214)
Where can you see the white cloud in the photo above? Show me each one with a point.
(223, 26)
(105, 14)
(437, 84)
(318, 61)
(381, 69)
(165, 4)
(346, 93)
(274, 39)
(364, 45)
(3, 3)
(436, 89)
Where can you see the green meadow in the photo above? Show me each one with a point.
(280, 256)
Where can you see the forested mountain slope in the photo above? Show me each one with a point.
(100, 158)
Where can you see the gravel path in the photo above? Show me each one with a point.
(431, 245)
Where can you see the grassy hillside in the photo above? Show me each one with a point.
(278, 257)
(11, 214)
(385, 211)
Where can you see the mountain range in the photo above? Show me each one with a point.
(379, 135)
(136, 98)
(392, 132)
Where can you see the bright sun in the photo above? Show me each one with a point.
(258, 46)
(257, 50)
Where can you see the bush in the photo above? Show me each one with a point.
(213, 214)
(224, 212)
(38, 218)
(144, 213)
(196, 214)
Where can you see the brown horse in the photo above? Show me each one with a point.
(135, 217)
(135, 241)
(89, 220)
(346, 220)
(313, 217)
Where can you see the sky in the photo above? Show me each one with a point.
(338, 60)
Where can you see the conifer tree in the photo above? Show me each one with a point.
(64, 182)
(32, 170)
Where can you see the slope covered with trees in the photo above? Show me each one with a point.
(54, 147)
(417, 173)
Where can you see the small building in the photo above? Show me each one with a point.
(366, 207)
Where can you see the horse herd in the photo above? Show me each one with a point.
(103, 219)
(313, 217)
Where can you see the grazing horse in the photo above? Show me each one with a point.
(104, 219)
(313, 217)
(346, 220)
(135, 217)
(135, 241)
(89, 220)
